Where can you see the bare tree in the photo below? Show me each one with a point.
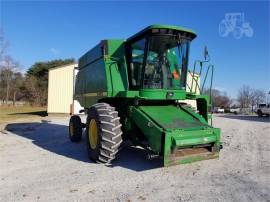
(10, 80)
(8, 68)
(17, 86)
(257, 97)
(248, 97)
(3, 44)
(220, 99)
(260, 96)
(36, 94)
(3, 72)
(244, 96)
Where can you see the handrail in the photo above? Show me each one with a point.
(210, 68)
(196, 82)
(194, 68)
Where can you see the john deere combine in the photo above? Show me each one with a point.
(135, 90)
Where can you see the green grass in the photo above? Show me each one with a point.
(10, 113)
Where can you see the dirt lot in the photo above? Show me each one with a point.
(38, 163)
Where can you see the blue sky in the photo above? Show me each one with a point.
(40, 31)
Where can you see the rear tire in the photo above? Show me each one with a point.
(75, 128)
(103, 133)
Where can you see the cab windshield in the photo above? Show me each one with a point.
(159, 62)
(166, 62)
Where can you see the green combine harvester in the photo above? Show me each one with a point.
(135, 90)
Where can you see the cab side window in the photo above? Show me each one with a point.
(136, 63)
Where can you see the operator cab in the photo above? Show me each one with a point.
(157, 58)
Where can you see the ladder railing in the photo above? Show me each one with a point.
(196, 75)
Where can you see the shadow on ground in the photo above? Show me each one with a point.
(54, 138)
(37, 113)
(247, 117)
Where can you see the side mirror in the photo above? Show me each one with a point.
(205, 53)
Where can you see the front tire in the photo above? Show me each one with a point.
(104, 134)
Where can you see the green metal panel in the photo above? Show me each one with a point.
(115, 48)
(92, 55)
(203, 104)
(198, 116)
(91, 83)
(162, 94)
(95, 80)
(173, 118)
(102, 73)
(177, 141)
(128, 94)
(195, 137)
(151, 130)
(178, 126)
(116, 70)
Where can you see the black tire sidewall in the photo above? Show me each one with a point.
(77, 128)
(93, 153)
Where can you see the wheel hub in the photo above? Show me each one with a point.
(93, 133)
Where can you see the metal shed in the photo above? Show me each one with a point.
(60, 90)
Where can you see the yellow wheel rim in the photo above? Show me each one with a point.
(71, 129)
(93, 133)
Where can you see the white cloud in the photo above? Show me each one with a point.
(55, 51)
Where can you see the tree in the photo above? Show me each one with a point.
(17, 86)
(36, 81)
(257, 97)
(40, 69)
(36, 90)
(3, 44)
(8, 76)
(220, 99)
(244, 96)
(8, 67)
(249, 97)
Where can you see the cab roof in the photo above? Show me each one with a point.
(148, 29)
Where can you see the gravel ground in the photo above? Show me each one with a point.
(39, 163)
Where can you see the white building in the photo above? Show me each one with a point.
(60, 90)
